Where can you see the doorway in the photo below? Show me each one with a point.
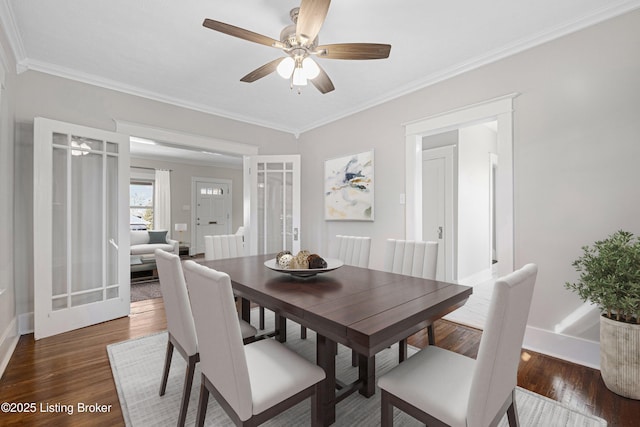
(500, 110)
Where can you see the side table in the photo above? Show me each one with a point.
(183, 250)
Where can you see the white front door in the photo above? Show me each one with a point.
(81, 226)
(437, 206)
(213, 210)
(274, 204)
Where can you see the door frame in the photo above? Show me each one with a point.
(499, 109)
(194, 201)
(201, 142)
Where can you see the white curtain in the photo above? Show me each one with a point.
(162, 206)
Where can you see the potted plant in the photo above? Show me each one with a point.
(610, 278)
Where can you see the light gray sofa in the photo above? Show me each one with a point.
(144, 243)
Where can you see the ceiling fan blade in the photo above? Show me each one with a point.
(241, 33)
(310, 18)
(261, 72)
(323, 82)
(354, 51)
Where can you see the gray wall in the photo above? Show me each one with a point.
(576, 149)
(8, 329)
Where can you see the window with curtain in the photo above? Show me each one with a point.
(141, 205)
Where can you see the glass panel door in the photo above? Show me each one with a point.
(275, 201)
(81, 239)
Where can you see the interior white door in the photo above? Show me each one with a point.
(213, 210)
(81, 226)
(275, 204)
(437, 206)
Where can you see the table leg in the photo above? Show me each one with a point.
(281, 328)
(367, 374)
(326, 359)
(245, 309)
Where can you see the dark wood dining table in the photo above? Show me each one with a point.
(364, 309)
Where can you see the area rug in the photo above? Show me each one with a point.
(145, 290)
(137, 367)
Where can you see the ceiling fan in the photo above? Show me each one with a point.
(299, 42)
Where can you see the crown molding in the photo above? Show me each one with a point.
(102, 82)
(7, 18)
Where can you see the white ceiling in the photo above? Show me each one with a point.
(160, 50)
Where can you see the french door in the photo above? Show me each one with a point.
(81, 226)
(275, 204)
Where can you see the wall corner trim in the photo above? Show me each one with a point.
(8, 343)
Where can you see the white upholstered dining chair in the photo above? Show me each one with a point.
(353, 250)
(251, 383)
(440, 387)
(416, 259)
(228, 246)
(223, 246)
(180, 326)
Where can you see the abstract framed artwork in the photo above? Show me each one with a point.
(348, 188)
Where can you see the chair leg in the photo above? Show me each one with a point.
(261, 318)
(512, 412)
(386, 410)
(432, 335)
(315, 407)
(354, 358)
(167, 366)
(186, 393)
(202, 403)
(303, 332)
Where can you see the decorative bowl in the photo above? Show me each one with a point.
(332, 264)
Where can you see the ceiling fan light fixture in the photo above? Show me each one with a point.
(84, 146)
(310, 68)
(299, 78)
(286, 66)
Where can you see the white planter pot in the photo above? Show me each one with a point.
(620, 357)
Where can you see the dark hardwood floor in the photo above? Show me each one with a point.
(73, 368)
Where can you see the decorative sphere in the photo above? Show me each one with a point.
(285, 261)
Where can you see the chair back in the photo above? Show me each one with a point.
(353, 250)
(411, 258)
(176, 301)
(222, 357)
(496, 372)
(223, 246)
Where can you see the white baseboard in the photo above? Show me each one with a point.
(572, 349)
(25, 323)
(8, 342)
